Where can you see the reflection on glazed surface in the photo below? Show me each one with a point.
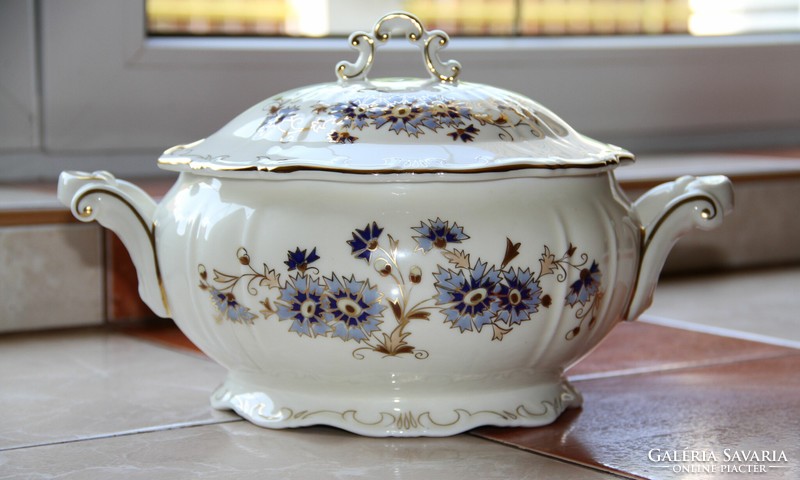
(325, 298)
(289, 269)
(286, 290)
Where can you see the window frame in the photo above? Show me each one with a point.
(111, 96)
(18, 79)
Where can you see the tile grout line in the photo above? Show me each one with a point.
(688, 365)
(172, 348)
(684, 366)
(675, 367)
(125, 433)
(568, 461)
(162, 344)
(719, 331)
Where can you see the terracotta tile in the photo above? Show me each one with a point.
(750, 405)
(122, 287)
(162, 331)
(123, 302)
(636, 347)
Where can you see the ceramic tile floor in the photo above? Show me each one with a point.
(133, 403)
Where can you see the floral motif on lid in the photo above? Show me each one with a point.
(395, 125)
(406, 117)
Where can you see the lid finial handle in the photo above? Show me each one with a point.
(399, 23)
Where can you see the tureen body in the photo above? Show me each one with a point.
(400, 257)
(401, 308)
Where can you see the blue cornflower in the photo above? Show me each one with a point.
(365, 241)
(351, 114)
(299, 259)
(467, 299)
(301, 302)
(404, 117)
(228, 306)
(352, 308)
(448, 113)
(279, 112)
(466, 134)
(438, 233)
(518, 297)
(583, 289)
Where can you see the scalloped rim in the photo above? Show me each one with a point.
(211, 167)
(389, 415)
(309, 129)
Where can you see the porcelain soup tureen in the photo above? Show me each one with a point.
(397, 257)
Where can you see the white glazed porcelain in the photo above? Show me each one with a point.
(397, 257)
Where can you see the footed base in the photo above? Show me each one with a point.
(382, 414)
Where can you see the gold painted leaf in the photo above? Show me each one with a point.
(403, 349)
(268, 308)
(220, 277)
(420, 316)
(512, 250)
(394, 343)
(571, 249)
(398, 337)
(459, 258)
(393, 245)
(547, 262)
(483, 118)
(498, 332)
(398, 312)
(501, 119)
(270, 279)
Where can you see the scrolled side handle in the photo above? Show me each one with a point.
(668, 212)
(129, 212)
(410, 27)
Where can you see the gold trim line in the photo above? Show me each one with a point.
(195, 165)
(645, 237)
(149, 229)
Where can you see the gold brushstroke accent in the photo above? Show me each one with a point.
(355, 42)
(409, 420)
(149, 229)
(174, 149)
(442, 42)
(642, 237)
(415, 22)
(706, 214)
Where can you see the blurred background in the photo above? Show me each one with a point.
(475, 17)
(89, 84)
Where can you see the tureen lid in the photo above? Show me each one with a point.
(356, 125)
